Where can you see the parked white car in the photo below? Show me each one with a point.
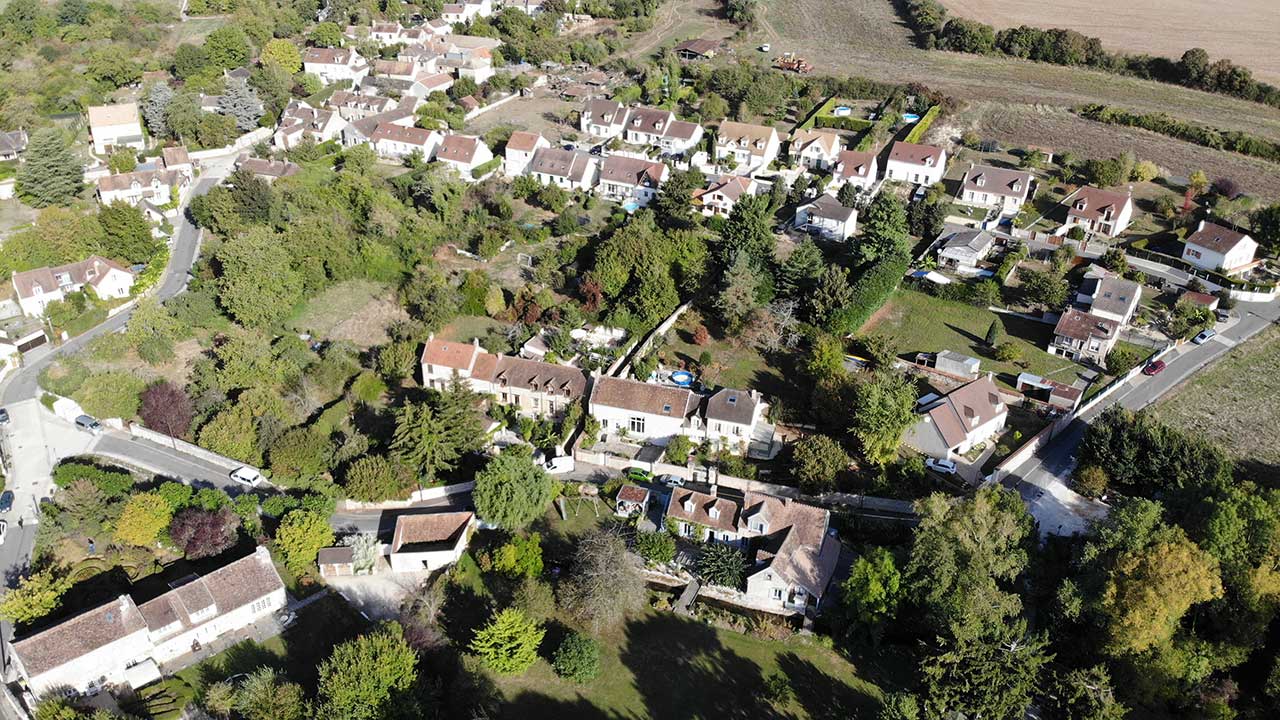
(557, 465)
(246, 475)
(674, 481)
(946, 467)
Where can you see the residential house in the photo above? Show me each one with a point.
(122, 642)
(464, 153)
(396, 141)
(361, 132)
(793, 552)
(722, 193)
(463, 12)
(1082, 336)
(269, 170)
(1108, 295)
(1205, 300)
(352, 106)
(570, 169)
(963, 248)
(177, 159)
(914, 163)
(12, 144)
(300, 122)
(958, 421)
(336, 561)
(531, 387)
(435, 82)
(750, 148)
(702, 517)
(603, 119)
(859, 169)
(156, 188)
(532, 8)
(429, 541)
(398, 69)
(825, 216)
(37, 288)
(333, 65)
(1000, 189)
(660, 128)
(115, 126)
(630, 180)
(815, 149)
(1221, 249)
(639, 410)
(519, 152)
(730, 416)
(1100, 212)
(386, 33)
(697, 49)
(632, 500)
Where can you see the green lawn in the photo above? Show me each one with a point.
(465, 327)
(355, 310)
(924, 323)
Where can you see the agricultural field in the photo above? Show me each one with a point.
(1233, 403)
(1242, 30)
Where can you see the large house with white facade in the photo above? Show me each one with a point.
(916, 164)
(395, 141)
(860, 169)
(463, 153)
(722, 193)
(1221, 249)
(1000, 189)
(641, 411)
(570, 169)
(299, 122)
(519, 151)
(814, 149)
(113, 127)
(37, 288)
(750, 148)
(532, 387)
(1084, 337)
(603, 119)
(1100, 212)
(429, 541)
(332, 65)
(825, 216)
(123, 643)
(630, 180)
(963, 418)
(155, 187)
(661, 129)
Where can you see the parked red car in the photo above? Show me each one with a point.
(1154, 368)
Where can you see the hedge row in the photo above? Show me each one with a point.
(842, 123)
(922, 125)
(870, 292)
(1233, 140)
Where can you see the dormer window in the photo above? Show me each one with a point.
(688, 505)
(1017, 187)
(714, 513)
(928, 162)
(980, 181)
(733, 400)
(666, 409)
(1082, 205)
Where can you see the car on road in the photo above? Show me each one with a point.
(4, 417)
(557, 465)
(6, 501)
(1222, 315)
(4, 529)
(946, 467)
(89, 424)
(246, 475)
(636, 474)
(1204, 336)
(669, 480)
(1155, 367)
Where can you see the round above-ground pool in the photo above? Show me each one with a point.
(682, 378)
(842, 111)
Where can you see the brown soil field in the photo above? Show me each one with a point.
(1242, 30)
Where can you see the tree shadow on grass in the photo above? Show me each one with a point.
(824, 696)
(533, 706)
(243, 657)
(465, 611)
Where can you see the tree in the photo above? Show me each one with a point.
(1043, 288)
(397, 360)
(166, 408)
(241, 102)
(301, 455)
(265, 695)
(899, 706)
(366, 677)
(127, 234)
(720, 564)
(993, 332)
(991, 676)
(283, 54)
(202, 533)
(84, 506)
(189, 60)
(227, 47)
(1266, 226)
(657, 547)
(1081, 694)
(1145, 171)
(36, 596)
(1008, 352)
(883, 409)
(508, 645)
(1121, 360)
(423, 441)
(1091, 480)
(884, 229)
(1150, 589)
(260, 283)
(848, 195)
(73, 12)
(832, 293)
(511, 491)
(1198, 182)
(299, 538)
(748, 231)
(577, 658)
(520, 557)
(51, 174)
(674, 204)
(678, 449)
(874, 586)
(818, 460)
(374, 478)
(122, 161)
(145, 516)
(605, 582)
(155, 108)
(326, 34)
(738, 298)
(800, 271)
(534, 598)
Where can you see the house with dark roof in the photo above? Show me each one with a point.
(1218, 248)
(860, 169)
(269, 170)
(123, 642)
(35, 289)
(1100, 212)
(732, 417)
(1001, 189)
(630, 180)
(697, 49)
(703, 517)
(659, 128)
(532, 387)
(299, 121)
(1084, 337)
(334, 64)
(642, 411)
(429, 541)
(825, 216)
(570, 169)
(602, 118)
(157, 188)
(963, 248)
(916, 164)
(958, 421)
(722, 193)
(12, 144)
(1109, 295)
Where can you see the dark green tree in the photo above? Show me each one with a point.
(511, 491)
(721, 564)
(51, 175)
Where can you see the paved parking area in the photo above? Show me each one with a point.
(378, 596)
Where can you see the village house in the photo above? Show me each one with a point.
(749, 148)
(269, 170)
(1108, 295)
(958, 421)
(825, 216)
(1221, 249)
(570, 169)
(963, 248)
(463, 12)
(722, 193)
(1084, 337)
(1100, 212)
(702, 517)
(603, 119)
(814, 149)
(429, 541)
(532, 8)
(361, 132)
(401, 69)
(640, 411)
(1000, 189)
(434, 82)
(532, 387)
(300, 122)
(519, 152)
(113, 127)
(630, 180)
(733, 418)
(332, 65)
(176, 158)
(12, 144)
(352, 106)
(913, 163)
(464, 153)
(395, 141)
(793, 552)
(660, 128)
(859, 169)
(386, 32)
(155, 188)
(37, 288)
(124, 643)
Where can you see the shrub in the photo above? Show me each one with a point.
(1008, 352)
(1121, 360)
(521, 556)
(577, 658)
(656, 547)
(722, 565)
(534, 598)
(111, 394)
(677, 452)
(869, 292)
(1091, 481)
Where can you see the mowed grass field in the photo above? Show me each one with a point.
(1242, 30)
(1233, 403)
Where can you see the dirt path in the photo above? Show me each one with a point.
(663, 24)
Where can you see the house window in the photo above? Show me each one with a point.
(777, 593)
(537, 403)
(506, 398)
(636, 425)
(724, 536)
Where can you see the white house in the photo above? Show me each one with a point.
(519, 152)
(156, 187)
(630, 180)
(570, 169)
(702, 517)
(269, 170)
(603, 119)
(814, 149)
(1214, 247)
(1100, 212)
(1083, 336)
(531, 387)
(115, 126)
(1109, 295)
(731, 417)
(639, 410)
(299, 121)
(660, 128)
(395, 141)
(462, 12)
(722, 193)
(429, 541)
(122, 642)
(860, 169)
(827, 217)
(12, 144)
(360, 132)
(795, 552)
(1002, 189)
(335, 64)
(963, 248)
(176, 158)
(913, 163)
(464, 153)
(352, 106)
(749, 147)
(37, 288)
(963, 418)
